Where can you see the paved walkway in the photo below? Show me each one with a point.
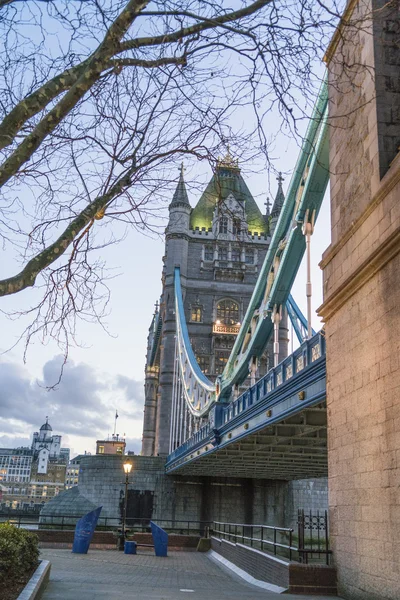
(110, 574)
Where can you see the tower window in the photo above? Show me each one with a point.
(236, 227)
(235, 254)
(221, 358)
(223, 253)
(228, 312)
(196, 314)
(203, 362)
(208, 253)
(223, 225)
(250, 257)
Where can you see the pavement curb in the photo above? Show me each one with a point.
(37, 583)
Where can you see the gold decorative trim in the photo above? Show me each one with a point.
(388, 250)
(226, 329)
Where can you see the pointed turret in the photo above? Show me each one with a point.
(179, 209)
(267, 216)
(180, 196)
(278, 203)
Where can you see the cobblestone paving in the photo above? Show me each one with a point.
(113, 575)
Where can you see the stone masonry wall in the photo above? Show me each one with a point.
(186, 499)
(362, 312)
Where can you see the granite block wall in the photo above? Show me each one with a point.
(362, 304)
(177, 498)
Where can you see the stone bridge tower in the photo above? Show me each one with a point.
(219, 246)
(362, 301)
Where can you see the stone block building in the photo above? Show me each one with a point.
(219, 246)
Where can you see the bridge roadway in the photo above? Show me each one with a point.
(274, 430)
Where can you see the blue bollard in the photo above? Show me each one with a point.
(130, 548)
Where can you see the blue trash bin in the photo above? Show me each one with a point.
(130, 548)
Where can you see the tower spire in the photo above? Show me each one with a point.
(180, 196)
(278, 203)
(279, 198)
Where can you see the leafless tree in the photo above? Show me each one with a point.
(100, 98)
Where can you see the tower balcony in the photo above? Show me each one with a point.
(221, 328)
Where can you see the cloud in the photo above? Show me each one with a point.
(81, 405)
(134, 444)
(8, 441)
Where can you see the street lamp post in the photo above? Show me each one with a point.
(127, 469)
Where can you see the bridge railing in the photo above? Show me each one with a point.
(308, 353)
(113, 523)
(261, 537)
(309, 544)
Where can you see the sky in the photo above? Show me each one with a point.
(105, 368)
(106, 373)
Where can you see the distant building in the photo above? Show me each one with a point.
(31, 476)
(65, 453)
(72, 474)
(15, 465)
(115, 445)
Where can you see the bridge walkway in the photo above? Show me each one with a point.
(108, 574)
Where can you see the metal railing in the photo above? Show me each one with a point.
(262, 537)
(311, 352)
(310, 544)
(313, 536)
(68, 522)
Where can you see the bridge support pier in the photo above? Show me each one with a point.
(361, 303)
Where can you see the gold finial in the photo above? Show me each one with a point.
(228, 162)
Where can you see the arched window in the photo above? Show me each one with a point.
(237, 227)
(235, 254)
(208, 253)
(196, 314)
(228, 312)
(250, 256)
(223, 225)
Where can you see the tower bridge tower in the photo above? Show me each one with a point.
(219, 245)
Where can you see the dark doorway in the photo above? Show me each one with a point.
(140, 505)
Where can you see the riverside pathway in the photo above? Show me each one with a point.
(110, 574)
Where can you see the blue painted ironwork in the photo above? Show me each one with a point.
(297, 319)
(302, 203)
(296, 383)
(198, 390)
(284, 255)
